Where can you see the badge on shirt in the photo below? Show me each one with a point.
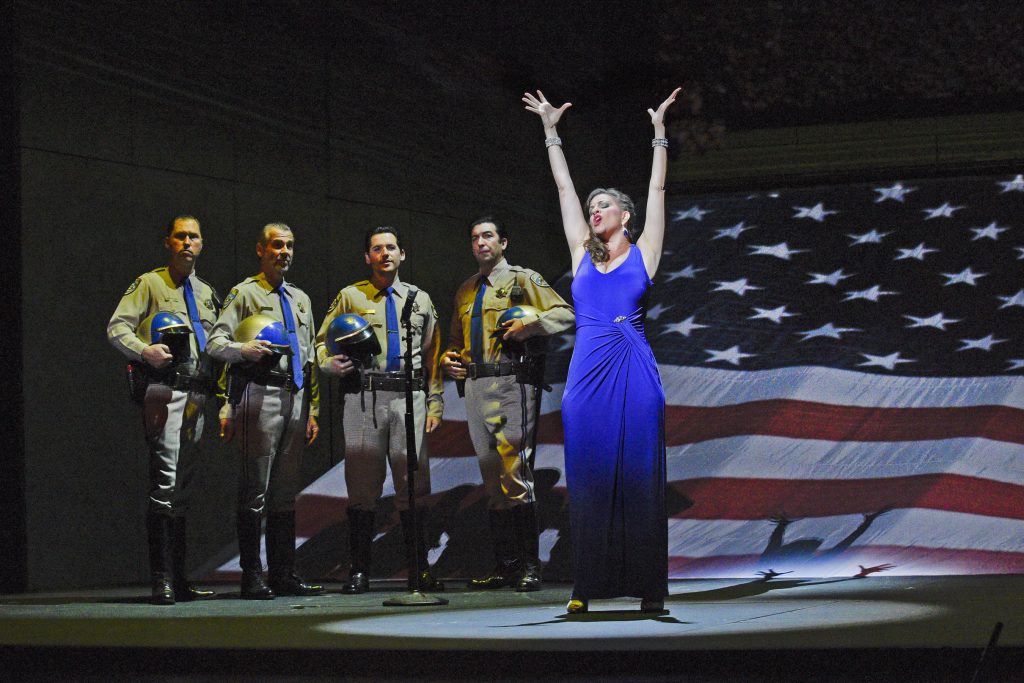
(209, 305)
(133, 286)
(415, 306)
(230, 297)
(302, 309)
(538, 280)
(501, 292)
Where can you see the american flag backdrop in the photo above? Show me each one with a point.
(844, 375)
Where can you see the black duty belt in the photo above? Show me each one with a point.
(392, 381)
(478, 370)
(179, 381)
(277, 379)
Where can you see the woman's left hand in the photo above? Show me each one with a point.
(658, 117)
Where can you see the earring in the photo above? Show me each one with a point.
(625, 231)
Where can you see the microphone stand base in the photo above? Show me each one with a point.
(414, 599)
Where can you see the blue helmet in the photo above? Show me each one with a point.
(527, 314)
(351, 335)
(159, 327)
(167, 329)
(264, 327)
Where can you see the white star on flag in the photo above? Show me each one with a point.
(1014, 300)
(693, 213)
(730, 355)
(781, 250)
(656, 310)
(827, 330)
(816, 212)
(871, 294)
(832, 278)
(1016, 364)
(938, 321)
(689, 272)
(684, 328)
(888, 362)
(896, 192)
(869, 237)
(740, 286)
(733, 232)
(1020, 253)
(774, 314)
(985, 343)
(990, 231)
(1015, 185)
(966, 276)
(944, 211)
(917, 252)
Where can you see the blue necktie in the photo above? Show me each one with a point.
(394, 340)
(193, 315)
(293, 339)
(476, 325)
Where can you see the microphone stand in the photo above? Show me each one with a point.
(414, 598)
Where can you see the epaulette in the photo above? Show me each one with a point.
(218, 304)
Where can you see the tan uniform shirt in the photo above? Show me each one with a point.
(256, 295)
(556, 315)
(152, 292)
(364, 299)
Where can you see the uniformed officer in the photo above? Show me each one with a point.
(171, 393)
(273, 417)
(496, 402)
(374, 415)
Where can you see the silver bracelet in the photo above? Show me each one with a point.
(659, 142)
(549, 142)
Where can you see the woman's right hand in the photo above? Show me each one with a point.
(548, 113)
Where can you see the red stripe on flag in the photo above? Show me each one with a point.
(807, 420)
(796, 419)
(748, 498)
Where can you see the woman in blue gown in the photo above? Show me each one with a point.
(613, 410)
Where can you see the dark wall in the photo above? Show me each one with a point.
(331, 120)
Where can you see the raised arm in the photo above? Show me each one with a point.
(653, 237)
(573, 221)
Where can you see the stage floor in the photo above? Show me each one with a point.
(903, 628)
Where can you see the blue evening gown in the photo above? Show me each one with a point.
(613, 413)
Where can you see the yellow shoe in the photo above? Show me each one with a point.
(576, 606)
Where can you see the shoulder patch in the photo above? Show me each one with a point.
(538, 280)
(133, 286)
(433, 310)
(334, 304)
(230, 297)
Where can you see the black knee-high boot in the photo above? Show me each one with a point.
(183, 590)
(158, 530)
(281, 557)
(529, 540)
(249, 531)
(506, 553)
(360, 535)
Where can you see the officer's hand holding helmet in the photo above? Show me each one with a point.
(263, 339)
(166, 339)
(351, 337)
(525, 314)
